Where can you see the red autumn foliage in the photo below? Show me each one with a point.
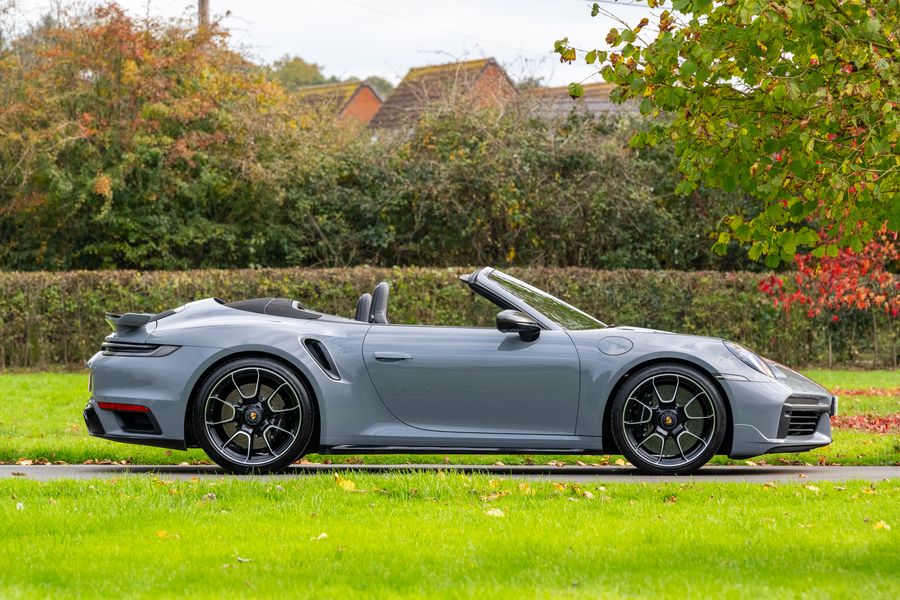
(851, 280)
(882, 392)
(870, 423)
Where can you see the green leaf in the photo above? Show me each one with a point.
(576, 90)
(755, 251)
(590, 57)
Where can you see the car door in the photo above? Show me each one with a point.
(477, 380)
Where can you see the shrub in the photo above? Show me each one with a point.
(149, 145)
(56, 318)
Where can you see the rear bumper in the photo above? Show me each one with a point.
(95, 428)
(777, 416)
(161, 384)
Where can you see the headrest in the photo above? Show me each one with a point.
(380, 304)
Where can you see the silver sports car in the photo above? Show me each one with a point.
(258, 383)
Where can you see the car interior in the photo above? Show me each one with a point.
(372, 308)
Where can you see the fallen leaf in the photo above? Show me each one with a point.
(882, 525)
(840, 488)
(560, 487)
(587, 495)
(580, 463)
(321, 536)
(620, 462)
(769, 485)
(494, 512)
(499, 463)
(344, 483)
(812, 488)
(807, 526)
(209, 497)
(526, 488)
(20, 506)
(19, 474)
(802, 476)
(671, 499)
(162, 534)
(241, 559)
(750, 463)
(494, 496)
(24, 462)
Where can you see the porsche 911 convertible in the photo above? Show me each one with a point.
(259, 383)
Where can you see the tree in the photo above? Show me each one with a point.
(293, 72)
(381, 85)
(837, 287)
(135, 144)
(796, 102)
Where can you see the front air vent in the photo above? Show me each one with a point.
(320, 354)
(111, 348)
(803, 422)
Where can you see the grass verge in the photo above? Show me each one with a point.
(426, 534)
(40, 418)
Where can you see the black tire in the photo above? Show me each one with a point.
(668, 419)
(278, 411)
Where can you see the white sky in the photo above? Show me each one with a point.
(387, 37)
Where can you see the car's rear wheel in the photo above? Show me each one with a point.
(668, 419)
(253, 415)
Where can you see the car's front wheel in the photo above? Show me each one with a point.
(668, 419)
(253, 415)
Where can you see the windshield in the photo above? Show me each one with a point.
(563, 314)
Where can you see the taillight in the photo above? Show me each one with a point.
(123, 407)
(113, 348)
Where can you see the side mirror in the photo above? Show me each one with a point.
(512, 321)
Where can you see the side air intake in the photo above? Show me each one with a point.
(320, 354)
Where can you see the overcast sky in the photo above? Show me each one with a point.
(387, 37)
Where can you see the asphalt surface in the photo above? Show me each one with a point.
(738, 474)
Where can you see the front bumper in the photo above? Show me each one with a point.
(788, 414)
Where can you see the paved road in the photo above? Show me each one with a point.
(568, 473)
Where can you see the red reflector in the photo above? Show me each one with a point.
(123, 407)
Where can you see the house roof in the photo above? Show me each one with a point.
(551, 103)
(424, 85)
(335, 96)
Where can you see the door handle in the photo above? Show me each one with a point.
(391, 356)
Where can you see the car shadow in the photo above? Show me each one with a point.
(723, 472)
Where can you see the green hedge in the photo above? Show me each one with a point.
(57, 318)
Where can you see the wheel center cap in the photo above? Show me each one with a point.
(668, 419)
(253, 415)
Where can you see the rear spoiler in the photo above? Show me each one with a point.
(128, 321)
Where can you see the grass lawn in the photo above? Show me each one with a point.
(40, 418)
(428, 534)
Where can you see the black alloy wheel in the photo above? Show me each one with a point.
(668, 419)
(253, 415)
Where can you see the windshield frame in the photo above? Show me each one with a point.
(481, 282)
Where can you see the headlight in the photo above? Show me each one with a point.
(750, 359)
